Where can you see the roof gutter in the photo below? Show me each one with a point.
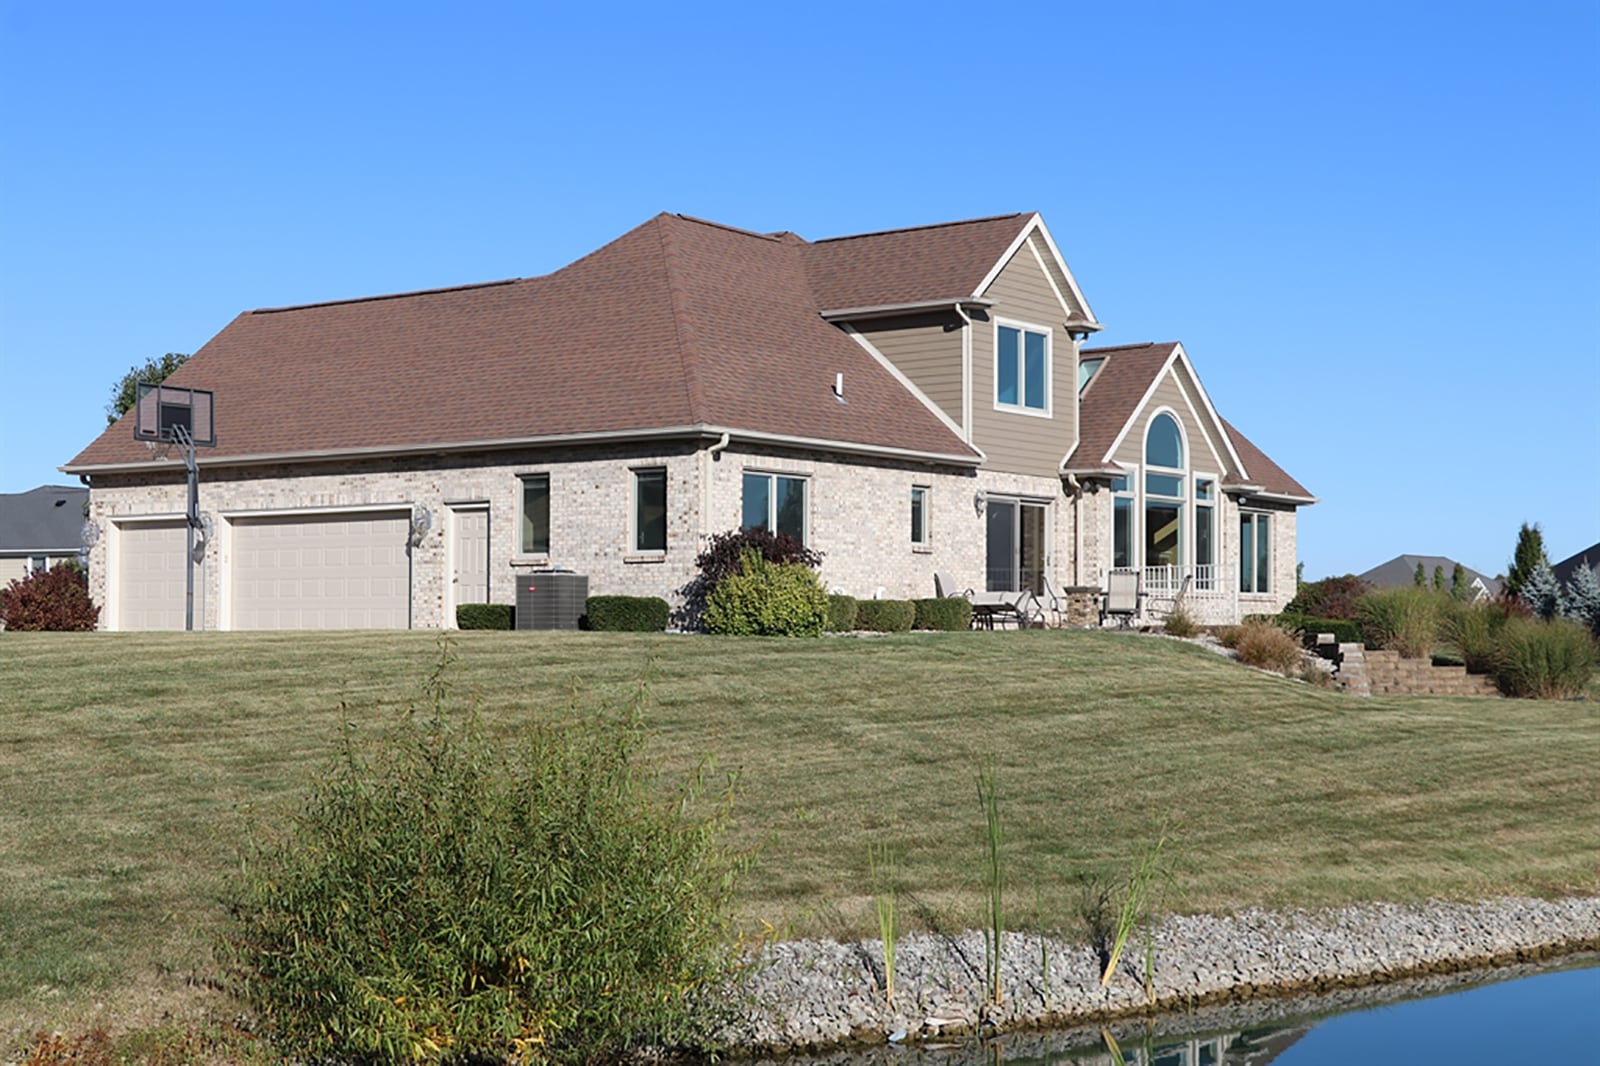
(1283, 497)
(724, 435)
(844, 314)
(1104, 472)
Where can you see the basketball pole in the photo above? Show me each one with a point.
(192, 466)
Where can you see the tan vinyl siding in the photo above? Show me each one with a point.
(926, 349)
(12, 569)
(1020, 443)
(1202, 457)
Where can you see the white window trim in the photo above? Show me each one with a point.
(1272, 551)
(1184, 474)
(1048, 411)
(634, 551)
(522, 498)
(927, 516)
(772, 499)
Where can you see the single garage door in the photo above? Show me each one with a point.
(337, 571)
(152, 575)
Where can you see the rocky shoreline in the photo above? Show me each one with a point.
(814, 995)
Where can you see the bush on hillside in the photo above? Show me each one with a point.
(626, 614)
(442, 898)
(1407, 620)
(947, 613)
(1552, 660)
(56, 600)
(484, 616)
(1180, 623)
(1264, 645)
(885, 616)
(1475, 631)
(767, 599)
(1332, 597)
(841, 613)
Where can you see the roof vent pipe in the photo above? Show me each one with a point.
(838, 386)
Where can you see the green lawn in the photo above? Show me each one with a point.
(130, 765)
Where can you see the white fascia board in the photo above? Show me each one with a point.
(1066, 308)
(852, 448)
(1199, 420)
(1280, 497)
(905, 382)
(1216, 419)
(843, 314)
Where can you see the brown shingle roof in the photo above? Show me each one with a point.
(901, 266)
(1261, 470)
(677, 323)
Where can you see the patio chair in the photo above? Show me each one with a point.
(1050, 608)
(945, 585)
(1122, 597)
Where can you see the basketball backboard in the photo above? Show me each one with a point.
(162, 410)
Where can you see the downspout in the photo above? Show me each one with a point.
(1077, 528)
(705, 487)
(966, 372)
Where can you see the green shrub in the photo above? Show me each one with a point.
(885, 616)
(484, 616)
(1545, 660)
(769, 600)
(1265, 645)
(948, 613)
(1407, 620)
(441, 898)
(626, 614)
(841, 613)
(1344, 630)
(1180, 623)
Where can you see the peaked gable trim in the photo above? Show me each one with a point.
(1177, 355)
(1036, 225)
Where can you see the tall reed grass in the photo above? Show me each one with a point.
(993, 877)
(881, 864)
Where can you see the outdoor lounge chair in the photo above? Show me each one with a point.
(1122, 597)
(987, 607)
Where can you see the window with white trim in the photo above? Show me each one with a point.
(1121, 523)
(1022, 368)
(534, 525)
(1255, 552)
(1163, 493)
(919, 516)
(775, 502)
(1205, 532)
(650, 510)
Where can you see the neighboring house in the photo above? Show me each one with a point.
(39, 529)
(1567, 567)
(904, 402)
(1401, 572)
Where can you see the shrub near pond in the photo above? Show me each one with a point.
(441, 898)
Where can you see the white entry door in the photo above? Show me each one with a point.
(469, 581)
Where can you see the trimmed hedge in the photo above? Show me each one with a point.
(841, 613)
(1344, 630)
(484, 616)
(949, 613)
(626, 614)
(885, 616)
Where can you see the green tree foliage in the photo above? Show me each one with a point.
(126, 391)
(1420, 578)
(767, 599)
(1542, 592)
(441, 897)
(1460, 588)
(1438, 579)
(1581, 602)
(1529, 554)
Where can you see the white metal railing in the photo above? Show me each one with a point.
(1166, 581)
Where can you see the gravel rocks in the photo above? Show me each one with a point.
(816, 994)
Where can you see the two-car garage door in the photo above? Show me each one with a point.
(337, 571)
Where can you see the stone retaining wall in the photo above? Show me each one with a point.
(1385, 673)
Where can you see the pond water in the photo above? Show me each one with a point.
(1522, 1014)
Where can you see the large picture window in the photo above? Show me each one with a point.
(1255, 552)
(535, 526)
(775, 502)
(1163, 493)
(1022, 368)
(650, 510)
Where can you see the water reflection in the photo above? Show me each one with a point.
(1464, 1019)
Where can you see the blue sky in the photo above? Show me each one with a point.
(1375, 227)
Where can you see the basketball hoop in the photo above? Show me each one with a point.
(164, 415)
(159, 449)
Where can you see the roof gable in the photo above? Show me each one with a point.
(48, 518)
(923, 264)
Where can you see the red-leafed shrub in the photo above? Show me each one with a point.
(1332, 597)
(723, 554)
(55, 599)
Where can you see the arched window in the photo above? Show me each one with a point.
(1163, 444)
(1164, 481)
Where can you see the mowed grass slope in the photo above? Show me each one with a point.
(130, 767)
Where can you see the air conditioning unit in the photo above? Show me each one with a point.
(551, 599)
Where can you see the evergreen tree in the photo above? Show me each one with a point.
(1458, 584)
(1581, 601)
(1420, 578)
(126, 391)
(1530, 553)
(1438, 579)
(1542, 592)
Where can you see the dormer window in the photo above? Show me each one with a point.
(1022, 369)
(1086, 370)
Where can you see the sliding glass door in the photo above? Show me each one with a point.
(1015, 552)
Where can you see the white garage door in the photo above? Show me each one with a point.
(340, 571)
(152, 575)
